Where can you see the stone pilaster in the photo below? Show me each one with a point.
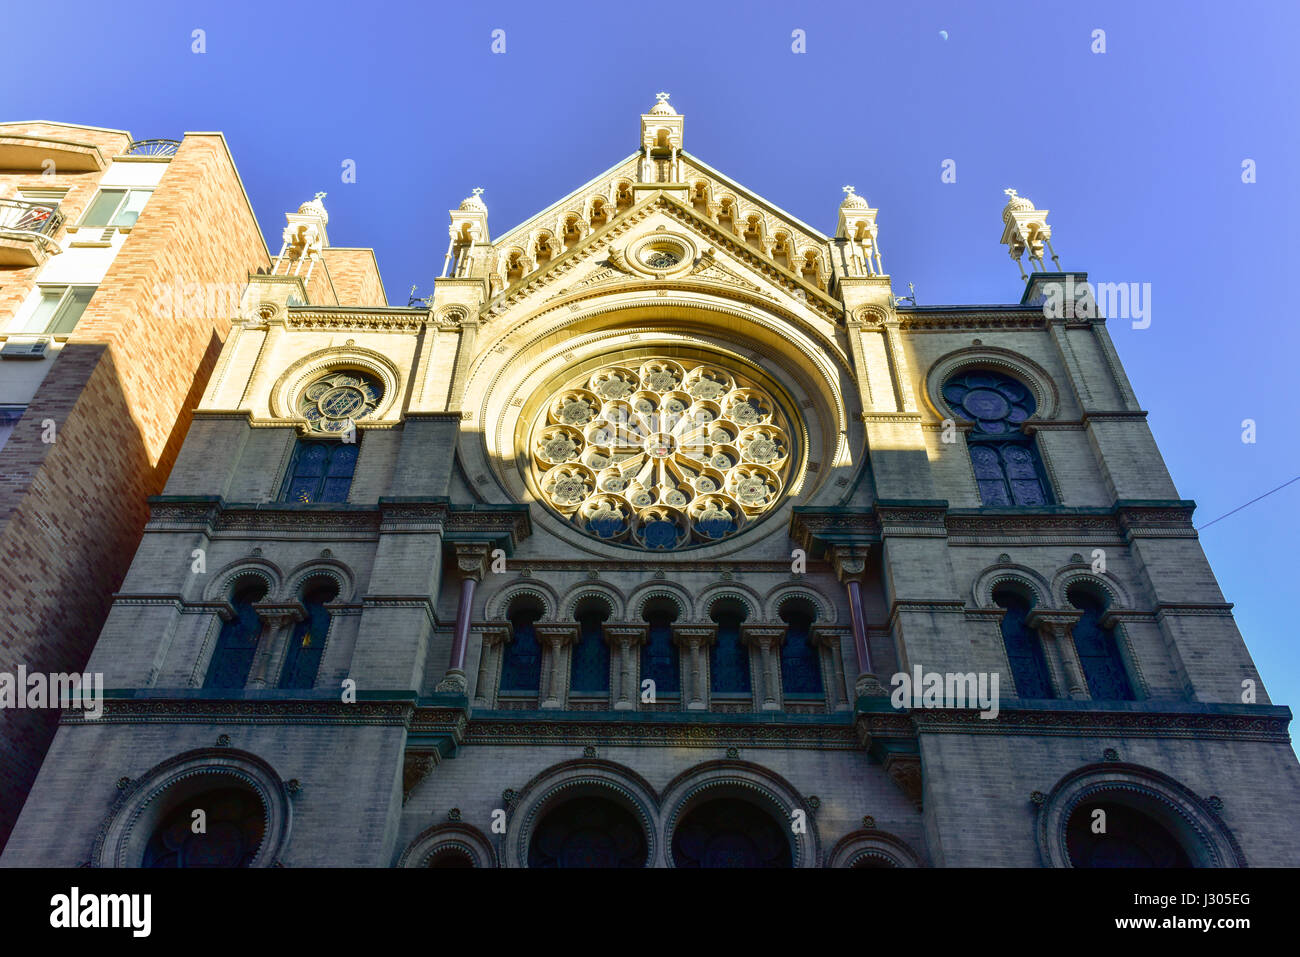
(625, 641)
(277, 618)
(767, 640)
(694, 640)
(557, 640)
(1053, 626)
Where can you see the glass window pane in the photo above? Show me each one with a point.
(50, 297)
(130, 211)
(74, 304)
(104, 206)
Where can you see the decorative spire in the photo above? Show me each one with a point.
(858, 226)
(663, 107)
(852, 200)
(314, 207)
(1025, 230)
(474, 202)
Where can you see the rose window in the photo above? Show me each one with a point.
(659, 454)
(336, 400)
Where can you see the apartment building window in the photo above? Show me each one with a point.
(9, 416)
(59, 309)
(116, 207)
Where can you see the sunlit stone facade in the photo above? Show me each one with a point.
(610, 551)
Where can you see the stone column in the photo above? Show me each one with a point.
(694, 640)
(1053, 626)
(827, 638)
(768, 640)
(556, 639)
(470, 559)
(850, 566)
(495, 637)
(277, 619)
(625, 641)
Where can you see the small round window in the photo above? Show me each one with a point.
(662, 255)
(339, 398)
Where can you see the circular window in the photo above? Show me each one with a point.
(661, 254)
(335, 400)
(659, 454)
(996, 403)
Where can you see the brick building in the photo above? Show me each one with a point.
(121, 265)
(613, 551)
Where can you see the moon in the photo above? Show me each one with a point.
(943, 34)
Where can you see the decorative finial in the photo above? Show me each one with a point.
(661, 97)
(847, 189)
(477, 191)
(319, 197)
(1010, 192)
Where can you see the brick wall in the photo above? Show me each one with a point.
(356, 276)
(72, 512)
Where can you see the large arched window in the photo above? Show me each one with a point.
(591, 654)
(729, 832)
(232, 659)
(801, 670)
(521, 671)
(233, 828)
(307, 641)
(1103, 667)
(1024, 648)
(1007, 466)
(728, 658)
(1111, 834)
(659, 657)
(588, 831)
(321, 472)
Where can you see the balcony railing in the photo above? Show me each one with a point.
(153, 148)
(39, 219)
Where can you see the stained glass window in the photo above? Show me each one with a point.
(1024, 648)
(1007, 467)
(522, 668)
(591, 654)
(660, 454)
(307, 641)
(333, 402)
(728, 658)
(1103, 667)
(232, 658)
(659, 657)
(321, 472)
(801, 671)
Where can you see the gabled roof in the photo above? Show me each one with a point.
(736, 248)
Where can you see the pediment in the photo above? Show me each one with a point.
(773, 233)
(719, 260)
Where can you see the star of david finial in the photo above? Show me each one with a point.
(477, 190)
(661, 97)
(319, 197)
(848, 190)
(1010, 192)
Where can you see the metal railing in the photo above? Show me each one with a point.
(153, 148)
(40, 219)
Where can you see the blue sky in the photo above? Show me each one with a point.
(1137, 152)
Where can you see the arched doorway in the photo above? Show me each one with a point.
(233, 825)
(730, 832)
(1130, 838)
(588, 832)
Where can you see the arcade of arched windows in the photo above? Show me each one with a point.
(730, 658)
